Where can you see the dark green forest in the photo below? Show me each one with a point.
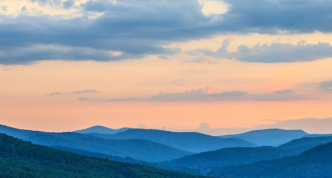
(20, 159)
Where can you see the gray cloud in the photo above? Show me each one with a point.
(68, 4)
(179, 82)
(200, 95)
(163, 57)
(227, 94)
(202, 60)
(184, 96)
(55, 3)
(141, 126)
(207, 94)
(284, 92)
(140, 28)
(55, 93)
(85, 91)
(277, 97)
(275, 53)
(24, 9)
(83, 99)
(4, 8)
(125, 99)
(326, 86)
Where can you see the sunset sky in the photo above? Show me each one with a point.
(228, 66)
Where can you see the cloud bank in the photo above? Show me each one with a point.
(274, 53)
(140, 28)
(326, 86)
(208, 94)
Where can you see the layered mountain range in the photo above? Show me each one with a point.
(190, 152)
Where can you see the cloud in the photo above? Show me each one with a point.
(204, 126)
(202, 95)
(184, 96)
(141, 126)
(277, 97)
(227, 93)
(141, 28)
(208, 94)
(68, 4)
(83, 99)
(274, 53)
(202, 60)
(284, 92)
(302, 42)
(163, 57)
(55, 93)
(326, 86)
(125, 99)
(265, 16)
(179, 82)
(4, 8)
(24, 9)
(55, 3)
(85, 91)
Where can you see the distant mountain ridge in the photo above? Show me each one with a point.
(227, 156)
(101, 130)
(201, 163)
(300, 145)
(269, 137)
(314, 163)
(188, 141)
(138, 149)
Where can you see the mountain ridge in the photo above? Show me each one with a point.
(188, 141)
(21, 159)
(101, 130)
(313, 163)
(138, 149)
(269, 137)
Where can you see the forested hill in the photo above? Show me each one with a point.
(101, 155)
(298, 146)
(188, 141)
(20, 159)
(136, 148)
(314, 163)
(228, 156)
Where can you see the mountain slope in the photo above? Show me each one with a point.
(269, 137)
(314, 163)
(206, 161)
(101, 130)
(300, 145)
(188, 141)
(228, 156)
(136, 148)
(19, 159)
(100, 155)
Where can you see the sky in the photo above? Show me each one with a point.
(216, 67)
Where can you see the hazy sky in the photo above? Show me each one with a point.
(67, 65)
